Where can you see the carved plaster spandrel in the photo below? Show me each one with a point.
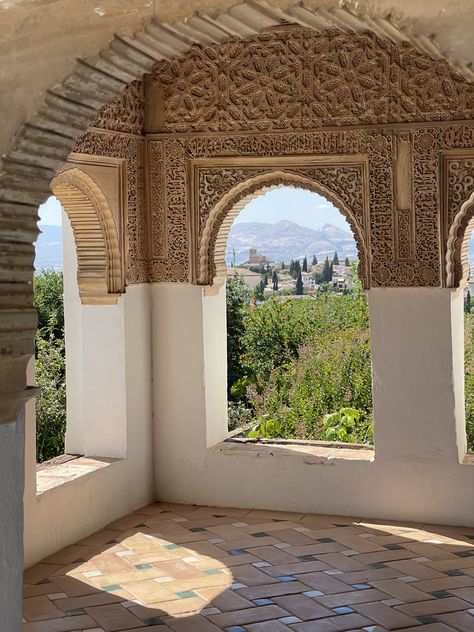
(130, 148)
(299, 79)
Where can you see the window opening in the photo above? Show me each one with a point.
(469, 343)
(50, 360)
(298, 344)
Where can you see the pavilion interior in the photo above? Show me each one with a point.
(154, 124)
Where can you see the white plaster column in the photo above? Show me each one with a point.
(12, 466)
(75, 435)
(95, 367)
(189, 372)
(418, 374)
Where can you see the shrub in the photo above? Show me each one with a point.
(51, 405)
(50, 367)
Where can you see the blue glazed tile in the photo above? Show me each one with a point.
(111, 588)
(197, 529)
(237, 552)
(361, 586)
(287, 578)
(441, 594)
(342, 610)
(263, 602)
(172, 547)
(154, 621)
(75, 613)
(307, 558)
(427, 619)
(324, 540)
(213, 571)
(454, 573)
(142, 567)
(259, 534)
(186, 594)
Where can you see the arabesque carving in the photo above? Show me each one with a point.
(99, 266)
(217, 219)
(459, 177)
(295, 78)
(289, 95)
(126, 113)
(97, 142)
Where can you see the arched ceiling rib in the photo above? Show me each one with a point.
(45, 140)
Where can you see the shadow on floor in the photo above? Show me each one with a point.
(201, 569)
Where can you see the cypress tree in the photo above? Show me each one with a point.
(335, 259)
(296, 268)
(467, 303)
(315, 261)
(305, 264)
(299, 285)
(346, 262)
(275, 281)
(326, 274)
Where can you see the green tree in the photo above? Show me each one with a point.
(347, 262)
(283, 266)
(237, 297)
(275, 281)
(50, 365)
(259, 291)
(335, 259)
(305, 264)
(315, 261)
(299, 290)
(467, 303)
(265, 279)
(49, 302)
(296, 269)
(326, 273)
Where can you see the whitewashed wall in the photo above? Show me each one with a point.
(108, 365)
(417, 473)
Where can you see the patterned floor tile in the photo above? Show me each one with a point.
(177, 568)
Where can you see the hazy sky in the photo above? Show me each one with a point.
(50, 212)
(298, 205)
(302, 207)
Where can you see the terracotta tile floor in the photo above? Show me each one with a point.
(200, 569)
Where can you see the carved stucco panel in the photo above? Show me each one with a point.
(297, 79)
(130, 148)
(458, 174)
(214, 212)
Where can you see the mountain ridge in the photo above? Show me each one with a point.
(287, 240)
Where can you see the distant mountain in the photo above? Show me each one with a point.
(280, 242)
(49, 248)
(286, 240)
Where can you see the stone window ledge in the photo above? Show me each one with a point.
(311, 452)
(65, 469)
